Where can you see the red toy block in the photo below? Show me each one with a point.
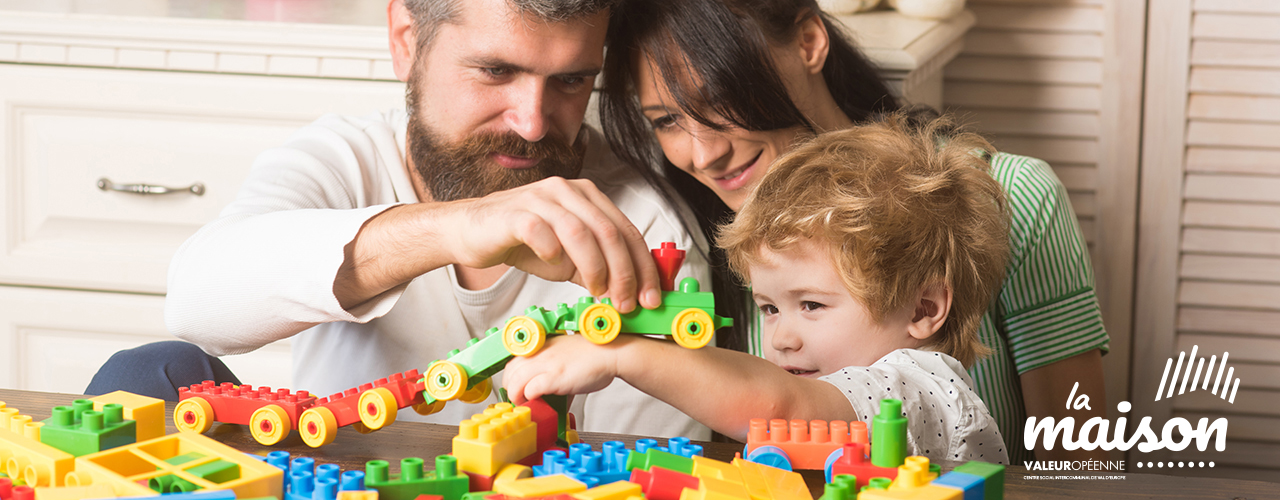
(669, 259)
(854, 461)
(269, 414)
(658, 483)
(24, 493)
(805, 444)
(425, 496)
(6, 488)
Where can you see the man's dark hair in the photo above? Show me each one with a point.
(429, 15)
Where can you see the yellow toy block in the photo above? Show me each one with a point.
(74, 492)
(618, 490)
(715, 469)
(913, 473)
(554, 484)
(501, 435)
(358, 495)
(772, 483)
(127, 469)
(147, 413)
(715, 489)
(926, 492)
(24, 456)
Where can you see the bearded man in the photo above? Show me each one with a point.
(380, 243)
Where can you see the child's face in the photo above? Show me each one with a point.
(813, 326)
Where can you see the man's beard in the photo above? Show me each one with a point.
(467, 170)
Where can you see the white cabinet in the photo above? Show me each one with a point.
(142, 101)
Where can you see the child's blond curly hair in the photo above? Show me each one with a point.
(900, 208)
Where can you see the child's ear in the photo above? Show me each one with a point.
(932, 306)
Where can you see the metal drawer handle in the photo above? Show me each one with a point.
(106, 184)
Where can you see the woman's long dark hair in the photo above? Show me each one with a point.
(723, 46)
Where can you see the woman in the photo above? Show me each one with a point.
(727, 86)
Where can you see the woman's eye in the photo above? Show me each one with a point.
(663, 122)
(810, 305)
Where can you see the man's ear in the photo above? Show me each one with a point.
(403, 38)
(814, 42)
(931, 308)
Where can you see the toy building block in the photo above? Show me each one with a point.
(373, 405)
(127, 468)
(501, 435)
(72, 492)
(771, 483)
(889, 435)
(992, 476)
(269, 415)
(217, 471)
(411, 482)
(618, 490)
(915, 471)
(658, 483)
(584, 464)
(80, 430)
(716, 489)
(676, 456)
(854, 462)
(800, 444)
(972, 487)
(669, 259)
(510, 472)
(147, 413)
(24, 492)
(25, 457)
(541, 486)
(841, 487)
(198, 495)
(547, 419)
(358, 495)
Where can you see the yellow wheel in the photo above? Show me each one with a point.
(359, 427)
(431, 408)
(523, 336)
(692, 328)
(445, 381)
(600, 323)
(193, 415)
(377, 408)
(269, 425)
(477, 393)
(318, 426)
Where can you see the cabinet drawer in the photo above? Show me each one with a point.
(55, 340)
(64, 128)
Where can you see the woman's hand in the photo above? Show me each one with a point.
(568, 365)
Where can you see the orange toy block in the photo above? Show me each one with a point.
(554, 484)
(807, 444)
(147, 413)
(127, 469)
(23, 455)
(499, 436)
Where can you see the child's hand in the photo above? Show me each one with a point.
(568, 365)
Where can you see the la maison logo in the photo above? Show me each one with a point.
(1114, 439)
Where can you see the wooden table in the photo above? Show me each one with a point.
(411, 439)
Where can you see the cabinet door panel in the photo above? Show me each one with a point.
(55, 340)
(65, 128)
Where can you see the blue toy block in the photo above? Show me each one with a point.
(594, 468)
(304, 480)
(971, 485)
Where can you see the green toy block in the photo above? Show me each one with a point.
(653, 456)
(877, 483)
(218, 471)
(79, 430)
(478, 495)
(992, 477)
(841, 487)
(889, 435)
(411, 482)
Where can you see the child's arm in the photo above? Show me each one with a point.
(720, 388)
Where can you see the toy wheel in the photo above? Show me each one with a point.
(523, 336)
(269, 424)
(477, 393)
(445, 381)
(431, 408)
(831, 462)
(692, 328)
(377, 408)
(359, 427)
(318, 426)
(600, 323)
(772, 456)
(193, 415)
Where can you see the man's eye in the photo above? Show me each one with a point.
(572, 80)
(496, 71)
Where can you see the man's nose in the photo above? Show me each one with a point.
(528, 112)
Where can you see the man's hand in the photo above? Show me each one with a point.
(556, 229)
(568, 365)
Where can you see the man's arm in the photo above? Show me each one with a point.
(720, 388)
(1046, 390)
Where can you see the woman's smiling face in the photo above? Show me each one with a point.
(730, 161)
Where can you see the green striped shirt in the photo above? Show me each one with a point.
(1046, 310)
